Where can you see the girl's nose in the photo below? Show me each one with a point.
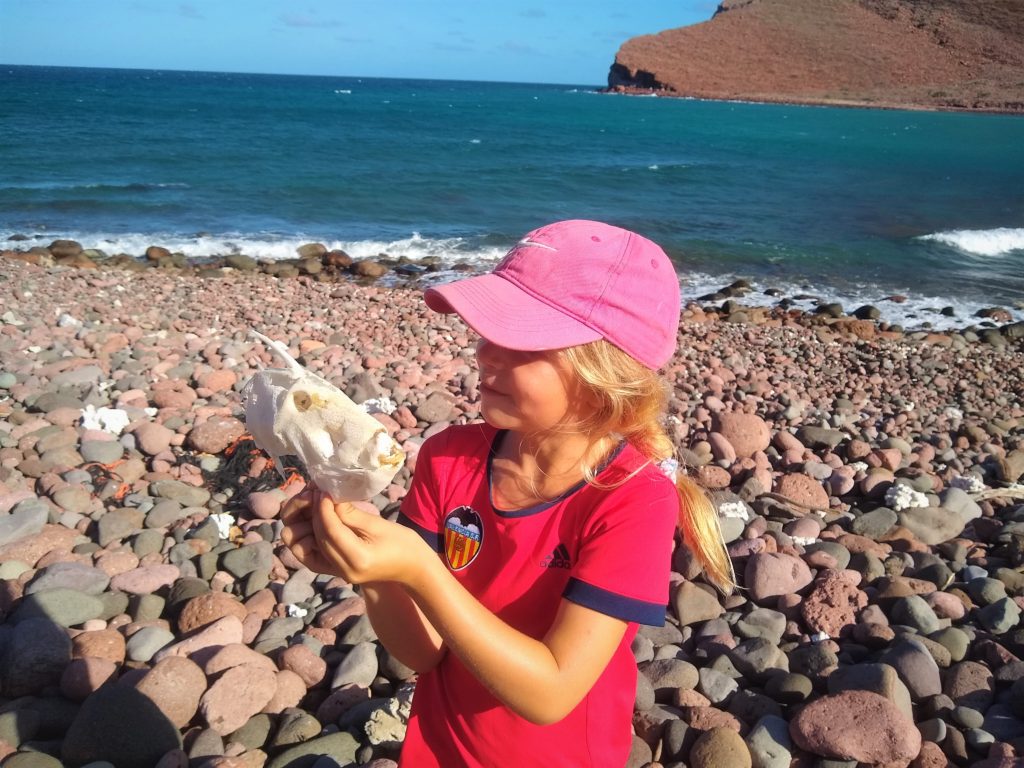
(488, 353)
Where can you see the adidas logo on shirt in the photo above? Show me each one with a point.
(559, 558)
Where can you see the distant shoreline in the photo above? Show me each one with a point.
(621, 90)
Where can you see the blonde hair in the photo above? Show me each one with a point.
(631, 402)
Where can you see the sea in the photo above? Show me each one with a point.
(918, 213)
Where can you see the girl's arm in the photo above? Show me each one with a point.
(398, 622)
(541, 680)
(401, 626)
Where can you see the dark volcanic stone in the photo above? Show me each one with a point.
(122, 726)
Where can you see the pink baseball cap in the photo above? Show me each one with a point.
(570, 283)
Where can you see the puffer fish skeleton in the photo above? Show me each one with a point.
(293, 412)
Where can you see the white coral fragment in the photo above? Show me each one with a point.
(900, 497)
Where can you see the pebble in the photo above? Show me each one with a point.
(237, 695)
(772, 574)
(856, 725)
(119, 725)
(720, 746)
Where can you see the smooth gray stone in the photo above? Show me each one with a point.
(876, 678)
(758, 658)
(144, 644)
(875, 523)
(716, 686)
(101, 451)
(118, 524)
(1001, 616)
(147, 542)
(932, 525)
(165, 512)
(255, 557)
(358, 667)
(916, 668)
(32, 760)
(27, 518)
(114, 604)
(70, 575)
(18, 726)
(669, 675)
(277, 633)
(763, 622)
(341, 747)
(32, 657)
(66, 607)
(968, 717)
(146, 607)
(959, 501)
(769, 743)
(913, 611)
(986, 590)
(187, 495)
(120, 725)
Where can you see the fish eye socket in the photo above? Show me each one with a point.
(302, 400)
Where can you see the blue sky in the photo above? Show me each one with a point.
(569, 41)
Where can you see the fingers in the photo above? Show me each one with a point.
(297, 507)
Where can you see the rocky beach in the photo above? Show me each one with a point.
(868, 481)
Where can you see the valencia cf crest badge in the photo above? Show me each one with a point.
(463, 537)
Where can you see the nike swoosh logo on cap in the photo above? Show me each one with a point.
(528, 241)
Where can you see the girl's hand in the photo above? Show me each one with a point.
(364, 547)
(298, 534)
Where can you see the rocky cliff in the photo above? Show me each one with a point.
(936, 54)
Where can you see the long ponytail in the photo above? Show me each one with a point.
(632, 400)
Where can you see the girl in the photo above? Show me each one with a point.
(531, 546)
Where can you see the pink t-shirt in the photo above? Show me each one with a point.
(607, 549)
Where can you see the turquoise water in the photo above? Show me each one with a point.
(847, 204)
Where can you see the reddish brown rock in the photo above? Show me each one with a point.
(215, 434)
(145, 579)
(833, 603)
(930, 756)
(216, 635)
(747, 433)
(338, 614)
(174, 394)
(152, 438)
(99, 644)
(288, 692)
(303, 662)
(84, 676)
(32, 549)
(803, 490)
(713, 477)
(857, 725)
(220, 380)
(175, 684)
(771, 574)
(217, 660)
(236, 696)
(208, 608)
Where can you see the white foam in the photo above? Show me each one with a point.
(914, 310)
(269, 246)
(982, 242)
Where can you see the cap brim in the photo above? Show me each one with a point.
(506, 315)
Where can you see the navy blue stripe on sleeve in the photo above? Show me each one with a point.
(432, 538)
(614, 604)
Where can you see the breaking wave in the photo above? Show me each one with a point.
(981, 242)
